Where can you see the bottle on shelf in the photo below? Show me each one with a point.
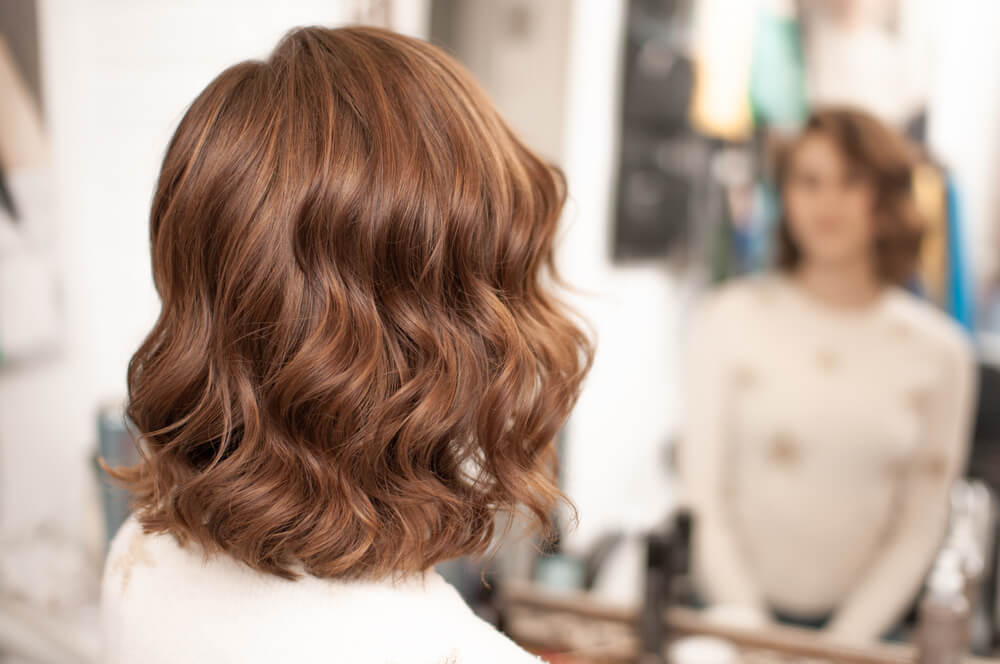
(943, 630)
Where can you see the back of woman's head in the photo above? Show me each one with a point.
(358, 362)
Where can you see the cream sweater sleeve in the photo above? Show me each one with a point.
(895, 576)
(722, 575)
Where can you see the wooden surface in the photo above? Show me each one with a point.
(789, 641)
(590, 630)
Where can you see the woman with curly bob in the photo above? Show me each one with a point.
(828, 408)
(359, 363)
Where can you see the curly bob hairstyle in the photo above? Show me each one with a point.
(359, 360)
(886, 161)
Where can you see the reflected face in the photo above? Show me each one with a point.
(828, 204)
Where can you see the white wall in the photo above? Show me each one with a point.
(614, 461)
(501, 41)
(964, 128)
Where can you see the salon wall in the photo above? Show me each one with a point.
(500, 40)
(964, 127)
(615, 460)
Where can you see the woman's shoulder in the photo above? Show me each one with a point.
(436, 615)
(133, 549)
(138, 554)
(151, 579)
(481, 642)
(914, 318)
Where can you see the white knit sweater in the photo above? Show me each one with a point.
(167, 604)
(819, 448)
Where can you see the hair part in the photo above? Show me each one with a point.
(359, 361)
(886, 160)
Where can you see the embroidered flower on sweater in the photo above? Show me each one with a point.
(136, 554)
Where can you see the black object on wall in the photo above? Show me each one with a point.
(668, 581)
(984, 462)
(655, 178)
(6, 198)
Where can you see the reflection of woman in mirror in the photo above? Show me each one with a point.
(359, 363)
(828, 409)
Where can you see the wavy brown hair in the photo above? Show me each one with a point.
(359, 361)
(886, 161)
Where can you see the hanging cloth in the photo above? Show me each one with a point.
(777, 78)
(930, 197)
(722, 49)
(961, 299)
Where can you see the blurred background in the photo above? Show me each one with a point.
(662, 114)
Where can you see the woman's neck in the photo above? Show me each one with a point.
(846, 286)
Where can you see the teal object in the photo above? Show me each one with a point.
(560, 573)
(116, 447)
(961, 296)
(777, 73)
